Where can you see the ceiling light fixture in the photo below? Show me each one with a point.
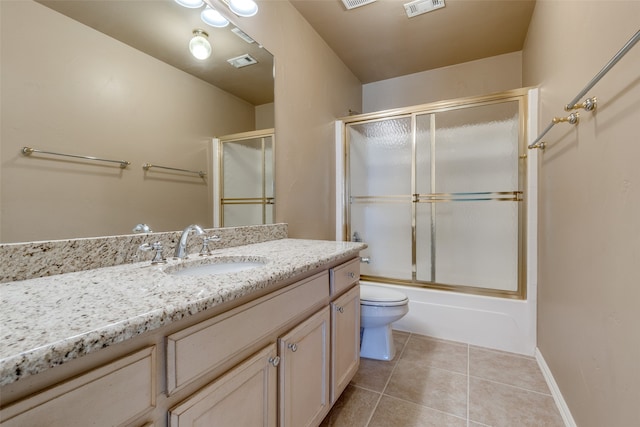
(212, 17)
(191, 4)
(244, 8)
(199, 45)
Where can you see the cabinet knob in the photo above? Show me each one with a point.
(340, 309)
(275, 361)
(351, 275)
(293, 347)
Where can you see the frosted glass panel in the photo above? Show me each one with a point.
(477, 244)
(423, 242)
(386, 228)
(380, 157)
(239, 215)
(242, 169)
(268, 214)
(476, 149)
(268, 168)
(423, 154)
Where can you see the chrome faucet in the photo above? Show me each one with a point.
(181, 248)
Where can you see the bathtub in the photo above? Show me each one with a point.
(497, 323)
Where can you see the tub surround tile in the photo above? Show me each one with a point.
(22, 261)
(48, 321)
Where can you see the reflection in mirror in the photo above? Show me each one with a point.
(115, 80)
(245, 192)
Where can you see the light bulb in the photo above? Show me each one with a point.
(244, 8)
(199, 45)
(191, 4)
(214, 18)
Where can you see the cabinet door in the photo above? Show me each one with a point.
(245, 396)
(345, 340)
(304, 372)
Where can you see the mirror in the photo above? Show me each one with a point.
(115, 80)
(246, 188)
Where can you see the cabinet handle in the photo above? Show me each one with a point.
(351, 275)
(340, 309)
(275, 361)
(293, 347)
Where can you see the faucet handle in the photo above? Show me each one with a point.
(158, 258)
(206, 251)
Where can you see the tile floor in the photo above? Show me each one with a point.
(440, 383)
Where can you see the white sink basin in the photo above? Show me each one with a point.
(215, 266)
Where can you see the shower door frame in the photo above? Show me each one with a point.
(519, 196)
(264, 200)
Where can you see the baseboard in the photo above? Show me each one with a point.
(565, 413)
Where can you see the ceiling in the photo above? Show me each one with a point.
(163, 28)
(378, 41)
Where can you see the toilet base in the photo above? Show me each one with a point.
(377, 343)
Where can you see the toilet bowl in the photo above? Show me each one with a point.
(379, 307)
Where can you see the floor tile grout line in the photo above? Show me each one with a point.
(388, 380)
(511, 385)
(468, 382)
(423, 406)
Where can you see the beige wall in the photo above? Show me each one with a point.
(313, 88)
(589, 216)
(481, 77)
(265, 116)
(77, 91)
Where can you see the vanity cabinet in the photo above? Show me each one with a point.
(246, 396)
(279, 359)
(304, 372)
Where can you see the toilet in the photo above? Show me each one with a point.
(379, 307)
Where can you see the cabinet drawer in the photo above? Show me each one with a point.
(109, 395)
(194, 351)
(344, 276)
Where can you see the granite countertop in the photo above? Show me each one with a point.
(49, 321)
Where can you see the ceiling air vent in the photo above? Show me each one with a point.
(352, 4)
(418, 7)
(242, 60)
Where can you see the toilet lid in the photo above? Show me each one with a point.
(375, 295)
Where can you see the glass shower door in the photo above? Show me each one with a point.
(380, 197)
(247, 194)
(437, 197)
(475, 197)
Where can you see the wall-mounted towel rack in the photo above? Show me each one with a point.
(148, 166)
(28, 151)
(590, 103)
